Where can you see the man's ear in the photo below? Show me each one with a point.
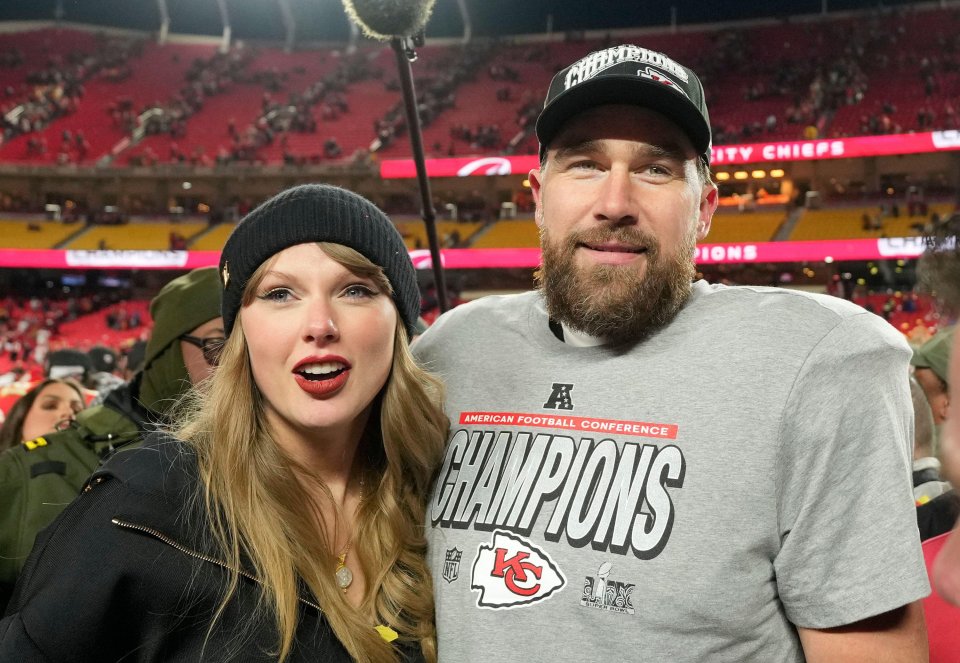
(709, 199)
(535, 177)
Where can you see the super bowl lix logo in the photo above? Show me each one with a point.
(512, 572)
(605, 593)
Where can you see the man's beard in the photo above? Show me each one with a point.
(617, 303)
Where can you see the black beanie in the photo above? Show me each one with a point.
(317, 213)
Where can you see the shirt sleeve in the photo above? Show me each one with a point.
(850, 548)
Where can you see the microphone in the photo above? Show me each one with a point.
(402, 23)
(385, 19)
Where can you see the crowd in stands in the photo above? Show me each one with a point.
(824, 78)
(31, 327)
(57, 88)
(435, 93)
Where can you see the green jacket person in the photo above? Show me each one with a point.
(40, 477)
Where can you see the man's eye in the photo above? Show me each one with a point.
(584, 165)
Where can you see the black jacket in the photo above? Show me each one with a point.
(125, 573)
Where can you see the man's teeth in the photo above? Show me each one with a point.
(322, 369)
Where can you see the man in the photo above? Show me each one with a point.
(938, 505)
(927, 484)
(40, 477)
(644, 469)
(931, 365)
(939, 270)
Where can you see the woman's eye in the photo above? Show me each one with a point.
(358, 290)
(278, 295)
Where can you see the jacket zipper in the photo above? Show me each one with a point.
(160, 536)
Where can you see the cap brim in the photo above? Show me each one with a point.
(629, 90)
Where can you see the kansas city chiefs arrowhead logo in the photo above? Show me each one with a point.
(512, 572)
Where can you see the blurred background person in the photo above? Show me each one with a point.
(47, 407)
(38, 480)
(939, 272)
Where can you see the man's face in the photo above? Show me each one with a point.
(936, 391)
(198, 368)
(946, 570)
(620, 208)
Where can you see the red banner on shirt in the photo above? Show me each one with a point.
(583, 424)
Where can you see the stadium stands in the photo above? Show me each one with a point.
(35, 234)
(767, 82)
(137, 236)
(745, 226)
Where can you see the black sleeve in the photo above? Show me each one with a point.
(939, 515)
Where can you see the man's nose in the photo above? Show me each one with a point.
(616, 202)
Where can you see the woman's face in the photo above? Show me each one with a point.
(55, 404)
(320, 340)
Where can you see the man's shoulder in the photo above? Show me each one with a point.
(489, 307)
(109, 417)
(480, 316)
(797, 312)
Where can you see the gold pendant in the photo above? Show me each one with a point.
(343, 574)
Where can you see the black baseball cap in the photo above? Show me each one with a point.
(627, 74)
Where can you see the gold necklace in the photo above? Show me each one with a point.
(343, 574)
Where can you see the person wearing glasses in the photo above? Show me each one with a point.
(39, 477)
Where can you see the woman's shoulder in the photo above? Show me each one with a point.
(162, 465)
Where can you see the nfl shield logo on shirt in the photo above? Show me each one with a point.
(451, 564)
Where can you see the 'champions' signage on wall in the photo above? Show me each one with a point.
(722, 155)
(528, 258)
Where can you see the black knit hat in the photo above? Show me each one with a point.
(631, 75)
(317, 213)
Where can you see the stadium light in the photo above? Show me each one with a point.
(777, 173)
(740, 175)
(723, 176)
(758, 174)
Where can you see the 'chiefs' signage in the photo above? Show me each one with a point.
(721, 155)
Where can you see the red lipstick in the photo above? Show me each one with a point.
(318, 384)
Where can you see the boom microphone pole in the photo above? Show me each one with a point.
(402, 23)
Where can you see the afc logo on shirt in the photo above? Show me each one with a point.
(560, 397)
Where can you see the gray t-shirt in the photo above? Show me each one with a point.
(692, 498)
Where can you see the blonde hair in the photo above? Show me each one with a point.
(254, 503)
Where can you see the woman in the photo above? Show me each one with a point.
(44, 409)
(285, 519)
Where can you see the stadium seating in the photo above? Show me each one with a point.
(38, 234)
(744, 226)
(751, 73)
(849, 223)
(520, 233)
(449, 233)
(136, 236)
